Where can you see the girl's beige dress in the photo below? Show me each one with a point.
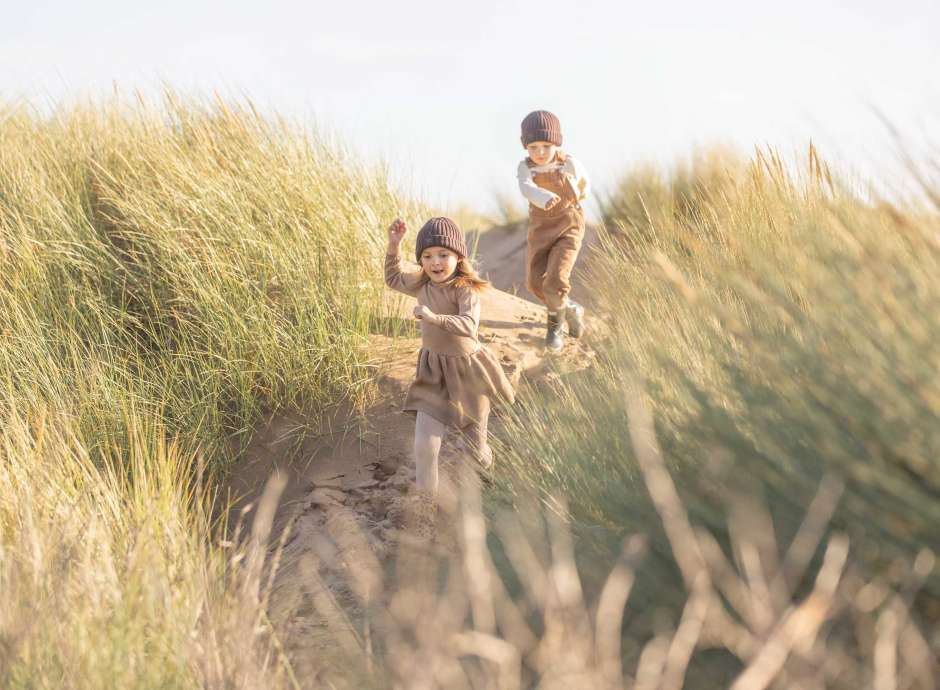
(457, 375)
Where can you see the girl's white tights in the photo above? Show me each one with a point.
(428, 436)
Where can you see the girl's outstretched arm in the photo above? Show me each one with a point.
(408, 282)
(467, 320)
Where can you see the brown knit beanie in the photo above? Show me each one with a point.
(541, 125)
(441, 232)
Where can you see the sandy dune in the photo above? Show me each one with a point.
(347, 476)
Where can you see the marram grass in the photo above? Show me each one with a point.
(784, 327)
(167, 273)
(199, 261)
(170, 272)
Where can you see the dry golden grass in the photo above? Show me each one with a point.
(169, 272)
(783, 325)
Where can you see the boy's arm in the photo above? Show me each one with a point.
(536, 195)
(581, 180)
(467, 320)
(408, 282)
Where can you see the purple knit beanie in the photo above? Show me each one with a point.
(541, 125)
(441, 232)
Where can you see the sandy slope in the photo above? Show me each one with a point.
(355, 445)
(347, 477)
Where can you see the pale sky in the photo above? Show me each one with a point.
(439, 88)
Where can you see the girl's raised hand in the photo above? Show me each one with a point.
(396, 231)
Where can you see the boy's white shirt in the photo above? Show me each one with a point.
(574, 172)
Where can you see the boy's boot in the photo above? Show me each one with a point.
(574, 315)
(554, 339)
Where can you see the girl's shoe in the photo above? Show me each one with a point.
(574, 315)
(482, 458)
(485, 458)
(554, 339)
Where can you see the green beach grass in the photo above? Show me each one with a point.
(170, 272)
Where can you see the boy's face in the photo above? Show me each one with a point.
(541, 152)
(439, 263)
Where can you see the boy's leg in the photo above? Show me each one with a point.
(554, 338)
(542, 247)
(429, 433)
(561, 259)
(536, 261)
(535, 265)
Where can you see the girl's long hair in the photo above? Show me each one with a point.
(466, 277)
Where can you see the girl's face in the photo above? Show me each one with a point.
(541, 152)
(439, 263)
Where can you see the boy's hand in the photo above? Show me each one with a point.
(396, 231)
(421, 313)
(552, 202)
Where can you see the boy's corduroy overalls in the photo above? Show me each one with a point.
(554, 239)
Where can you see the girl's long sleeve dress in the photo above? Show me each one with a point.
(457, 375)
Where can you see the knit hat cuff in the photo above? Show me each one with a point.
(552, 137)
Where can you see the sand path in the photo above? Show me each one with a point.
(346, 477)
